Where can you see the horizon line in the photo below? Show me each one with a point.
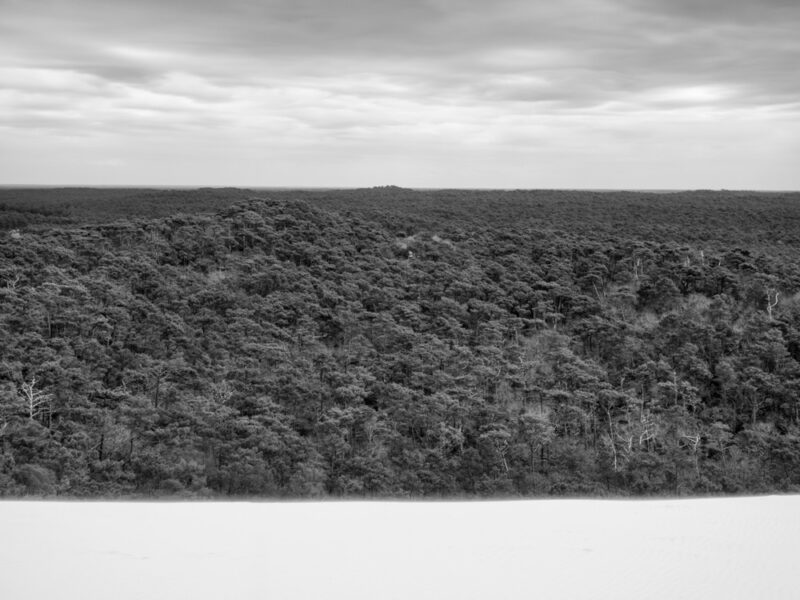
(378, 187)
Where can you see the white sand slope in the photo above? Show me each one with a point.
(743, 548)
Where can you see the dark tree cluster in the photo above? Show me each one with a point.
(388, 343)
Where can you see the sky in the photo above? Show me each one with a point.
(635, 94)
(731, 548)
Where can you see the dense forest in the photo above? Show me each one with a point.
(388, 342)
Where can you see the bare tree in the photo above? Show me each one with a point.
(648, 429)
(35, 400)
(772, 301)
(11, 284)
(627, 446)
(612, 435)
(638, 270)
(693, 440)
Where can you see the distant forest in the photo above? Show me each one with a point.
(387, 342)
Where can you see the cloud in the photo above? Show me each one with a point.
(367, 76)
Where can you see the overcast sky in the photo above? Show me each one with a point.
(419, 93)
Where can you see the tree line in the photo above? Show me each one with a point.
(391, 342)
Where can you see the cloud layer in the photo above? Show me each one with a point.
(512, 93)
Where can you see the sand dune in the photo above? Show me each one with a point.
(554, 549)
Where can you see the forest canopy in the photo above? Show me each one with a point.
(389, 342)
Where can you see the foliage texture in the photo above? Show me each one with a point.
(390, 342)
